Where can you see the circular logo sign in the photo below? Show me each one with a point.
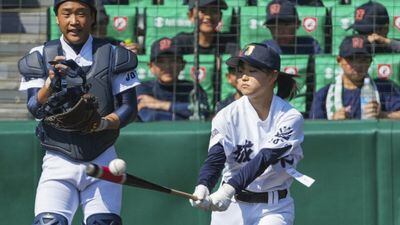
(159, 22)
(202, 73)
(384, 71)
(291, 70)
(396, 22)
(310, 24)
(120, 23)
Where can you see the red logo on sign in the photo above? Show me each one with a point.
(274, 9)
(165, 44)
(384, 71)
(202, 73)
(291, 70)
(396, 22)
(120, 23)
(360, 14)
(310, 24)
(358, 42)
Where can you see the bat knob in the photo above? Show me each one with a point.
(93, 170)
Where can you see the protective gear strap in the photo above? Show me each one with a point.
(127, 106)
(104, 219)
(256, 166)
(124, 60)
(49, 218)
(31, 66)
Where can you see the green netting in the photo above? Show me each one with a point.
(122, 22)
(297, 65)
(206, 75)
(165, 21)
(342, 19)
(141, 3)
(143, 69)
(330, 3)
(386, 66)
(326, 69)
(54, 32)
(252, 27)
(226, 89)
(313, 20)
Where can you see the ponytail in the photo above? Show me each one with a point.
(287, 86)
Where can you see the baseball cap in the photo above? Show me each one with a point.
(369, 16)
(202, 3)
(260, 55)
(281, 10)
(163, 46)
(90, 3)
(355, 45)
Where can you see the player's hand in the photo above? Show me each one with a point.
(221, 199)
(147, 101)
(133, 47)
(372, 109)
(378, 39)
(342, 113)
(202, 193)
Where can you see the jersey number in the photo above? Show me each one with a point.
(130, 75)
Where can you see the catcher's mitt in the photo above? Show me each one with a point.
(83, 116)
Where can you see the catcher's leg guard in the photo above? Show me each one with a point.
(104, 219)
(48, 218)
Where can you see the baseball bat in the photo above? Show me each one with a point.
(103, 172)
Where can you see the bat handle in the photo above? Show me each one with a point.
(184, 194)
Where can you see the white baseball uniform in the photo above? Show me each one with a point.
(243, 134)
(63, 183)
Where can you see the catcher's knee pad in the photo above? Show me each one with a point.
(104, 219)
(49, 218)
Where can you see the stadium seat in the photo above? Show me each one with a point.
(342, 19)
(326, 69)
(206, 76)
(54, 32)
(143, 70)
(122, 21)
(386, 66)
(297, 65)
(226, 89)
(164, 21)
(252, 27)
(236, 3)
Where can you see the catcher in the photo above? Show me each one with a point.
(82, 90)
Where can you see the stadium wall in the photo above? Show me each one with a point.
(355, 164)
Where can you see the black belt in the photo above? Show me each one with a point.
(255, 197)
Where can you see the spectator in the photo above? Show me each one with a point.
(211, 41)
(232, 78)
(283, 21)
(341, 100)
(372, 19)
(167, 98)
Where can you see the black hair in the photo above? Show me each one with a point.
(287, 86)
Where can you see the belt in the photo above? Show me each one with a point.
(255, 197)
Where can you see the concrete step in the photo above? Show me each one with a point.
(19, 20)
(19, 44)
(25, 3)
(13, 105)
(9, 68)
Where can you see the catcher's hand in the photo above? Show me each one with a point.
(83, 117)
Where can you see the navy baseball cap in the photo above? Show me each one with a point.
(164, 47)
(370, 16)
(202, 3)
(90, 3)
(259, 55)
(281, 10)
(355, 45)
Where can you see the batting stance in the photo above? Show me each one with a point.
(56, 76)
(255, 142)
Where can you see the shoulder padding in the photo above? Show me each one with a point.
(31, 66)
(124, 60)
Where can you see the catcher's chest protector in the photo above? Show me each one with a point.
(76, 145)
